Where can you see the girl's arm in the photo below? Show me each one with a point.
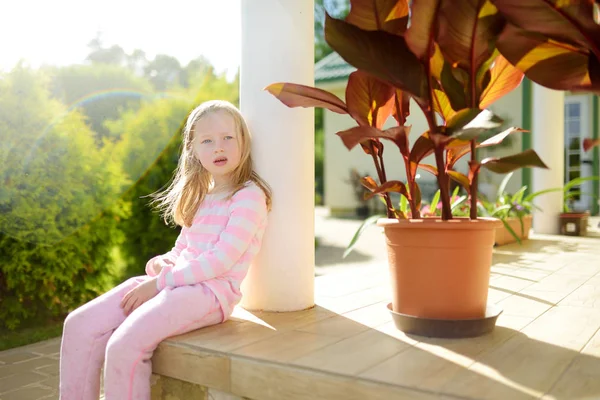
(247, 214)
(171, 256)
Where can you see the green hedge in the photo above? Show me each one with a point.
(60, 204)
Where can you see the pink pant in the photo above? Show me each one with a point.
(99, 331)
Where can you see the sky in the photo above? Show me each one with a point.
(57, 32)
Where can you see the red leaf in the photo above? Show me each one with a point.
(390, 186)
(421, 33)
(588, 144)
(358, 134)
(461, 179)
(555, 65)
(467, 33)
(442, 105)
(504, 79)
(381, 54)
(294, 95)
(370, 102)
(369, 183)
(527, 158)
(567, 21)
(401, 106)
(454, 154)
(429, 168)
(421, 149)
(379, 15)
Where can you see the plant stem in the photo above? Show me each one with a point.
(382, 180)
(474, 183)
(443, 184)
(412, 187)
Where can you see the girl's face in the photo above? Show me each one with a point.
(216, 144)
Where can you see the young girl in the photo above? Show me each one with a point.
(222, 206)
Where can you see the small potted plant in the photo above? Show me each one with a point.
(573, 221)
(454, 59)
(514, 210)
(362, 210)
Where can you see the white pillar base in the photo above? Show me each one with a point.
(548, 141)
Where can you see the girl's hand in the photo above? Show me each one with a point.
(139, 295)
(158, 264)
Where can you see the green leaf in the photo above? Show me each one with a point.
(370, 102)
(294, 95)
(502, 187)
(578, 181)
(366, 223)
(455, 191)
(403, 204)
(512, 231)
(381, 54)
(518, 197)
(469, 123)
(380, 15)
(528, 158)
(532, 196)
(499, 138)
(498, 210)
(434, 202)
(458, 202)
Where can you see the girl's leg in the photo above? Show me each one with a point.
(173, 311)
(85, 334)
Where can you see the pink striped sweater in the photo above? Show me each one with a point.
(218, 248)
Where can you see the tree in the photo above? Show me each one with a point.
(335, 8)
(101, 91)
(164, 72)
(99, 54)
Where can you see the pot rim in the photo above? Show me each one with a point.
(572, 214)
(481, 223)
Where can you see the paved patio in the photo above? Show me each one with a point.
(546, 344)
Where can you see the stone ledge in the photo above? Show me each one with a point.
(251, 378)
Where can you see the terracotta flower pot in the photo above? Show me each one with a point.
(503, 236)
(440, 269)
(574, 223)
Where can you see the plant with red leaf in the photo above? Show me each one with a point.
(454, 58)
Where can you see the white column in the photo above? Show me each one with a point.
(548, 141)
(278, 46)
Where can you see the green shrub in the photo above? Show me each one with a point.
(60, 204)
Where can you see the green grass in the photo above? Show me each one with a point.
(34, 332)
(43, 329)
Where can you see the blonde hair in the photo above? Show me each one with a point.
(180, 201)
